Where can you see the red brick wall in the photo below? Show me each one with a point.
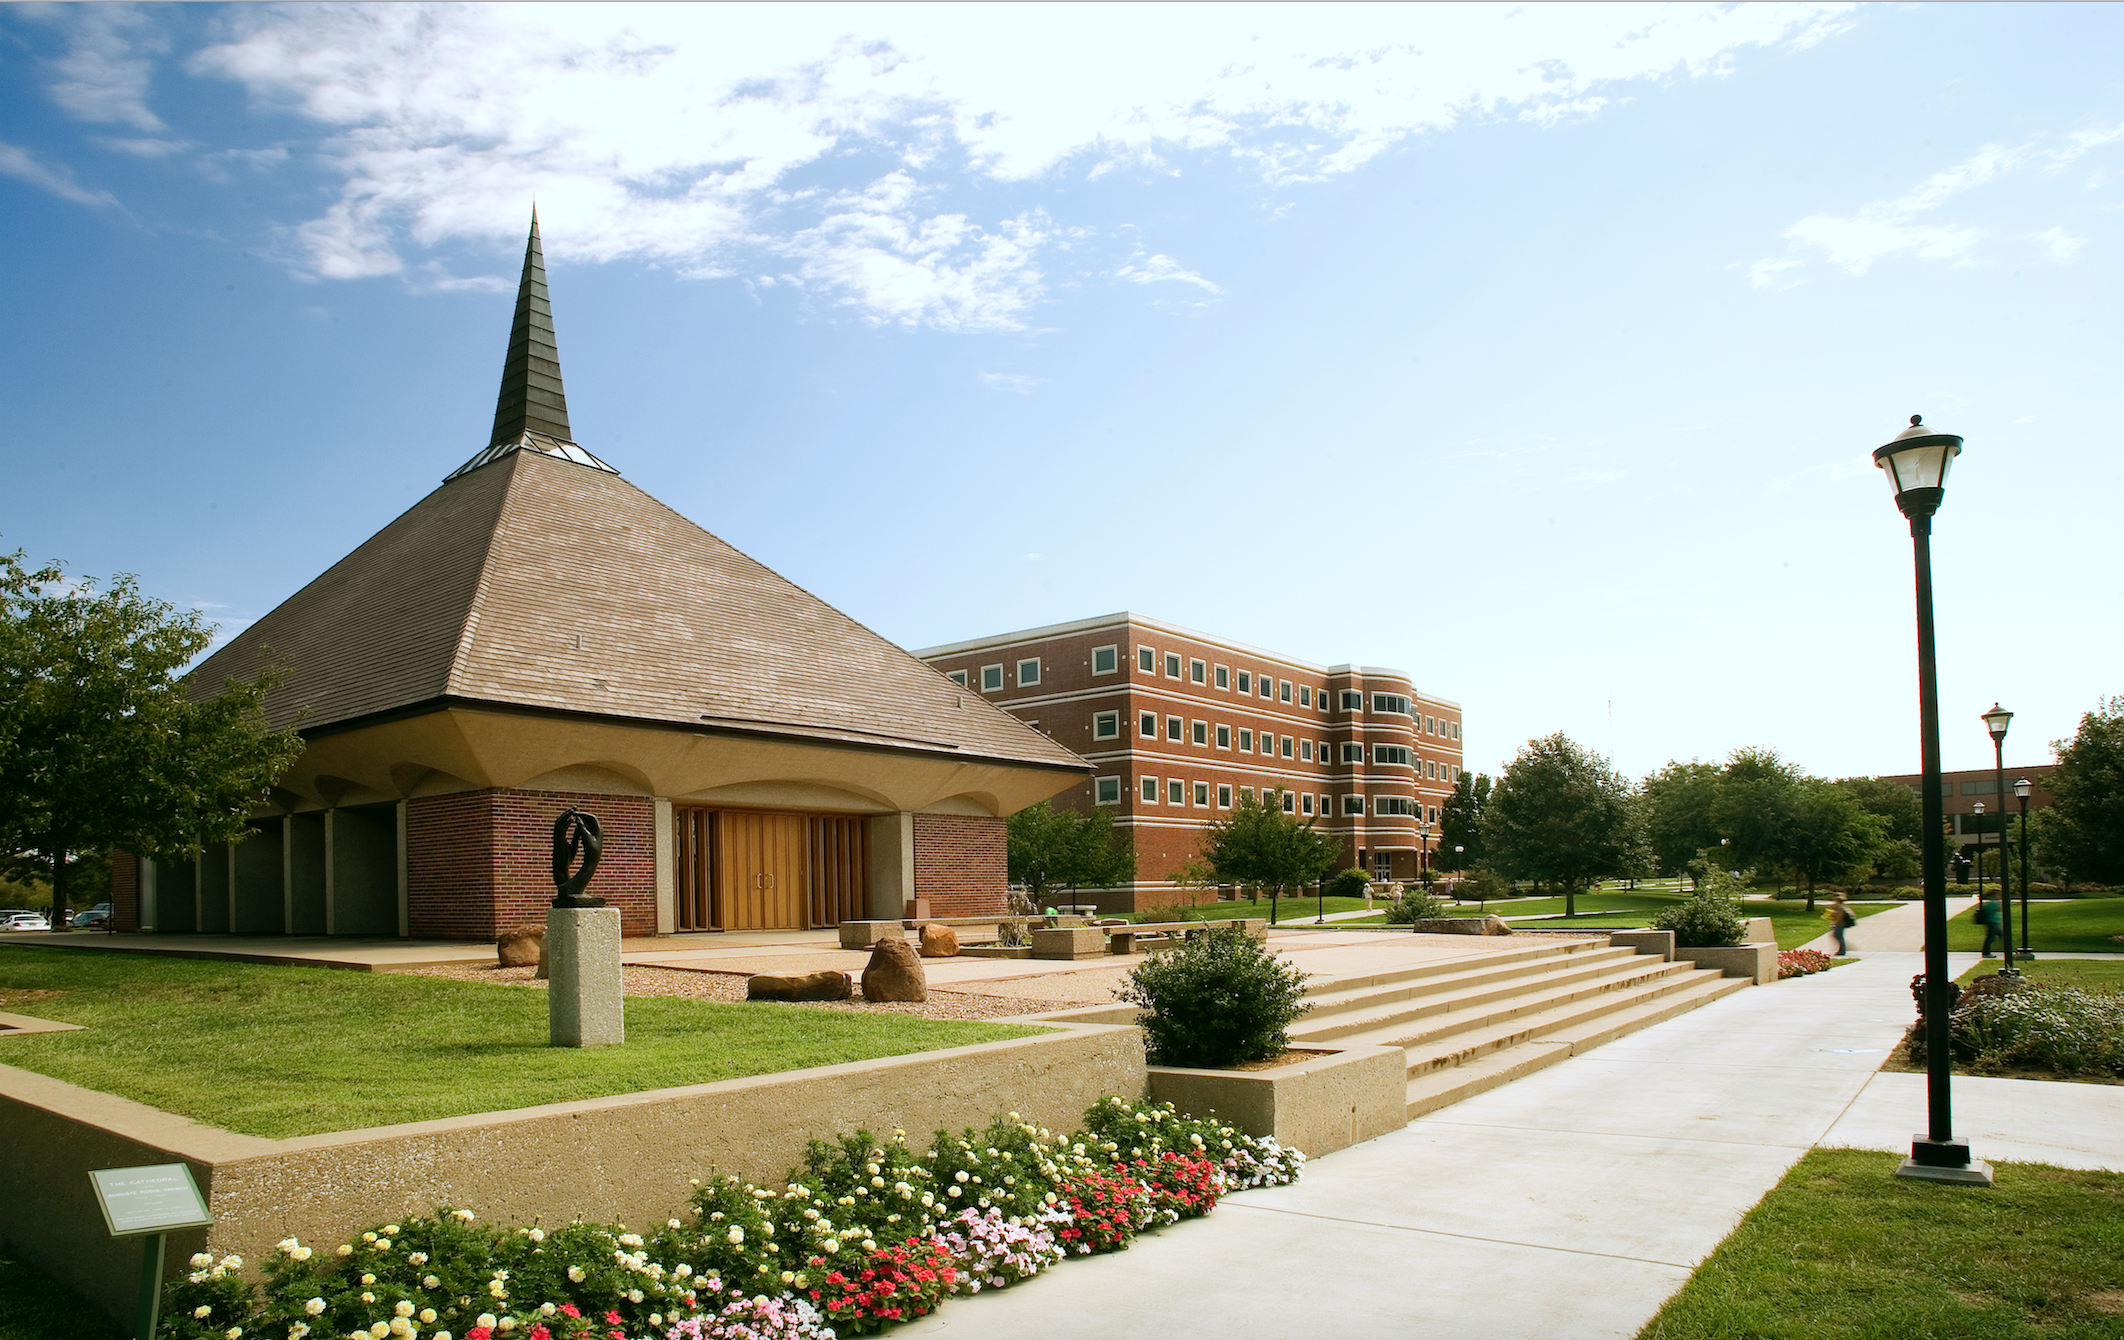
(125, 891)
(480, 862)
(959, 865)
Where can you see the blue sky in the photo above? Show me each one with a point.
(1536, 351)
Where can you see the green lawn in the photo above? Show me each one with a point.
(1291, 910)
(34, 1306)
(1794, 925)
(2095, 974)
(276, 1052)
(1841, 1250)
(2082, 926)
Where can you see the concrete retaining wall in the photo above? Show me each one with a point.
(624, 1159)
(1338, 1099)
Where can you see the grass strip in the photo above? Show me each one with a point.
(2094, 974)
(282, 1051)
(2081, 926)
(1842, 1250)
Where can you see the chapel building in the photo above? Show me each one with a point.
(538, 633)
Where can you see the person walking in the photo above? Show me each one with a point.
(1987, 916)
(1841, 918)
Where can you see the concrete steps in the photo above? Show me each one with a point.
(1469, 1027)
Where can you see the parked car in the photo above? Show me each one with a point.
(28, 921)
(94, 918)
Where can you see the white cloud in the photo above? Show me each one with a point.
(1158, 269)
(22, 165)
(109, 59)
(818, 144)
(145, 147)
(1015, 382)
(2062, 248)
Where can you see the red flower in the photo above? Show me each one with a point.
(540, 1333)
(613, 1316)
(569, 1310)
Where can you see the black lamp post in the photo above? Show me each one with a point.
(1996, 721)
(1979, 807)
(1916, 462)
(2022, 789)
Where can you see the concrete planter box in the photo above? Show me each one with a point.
(864, 934)
(1646, 942)
(1758, 961)
(995, 951)
(1341, 1097)
(1069, 942)
(624, 1158)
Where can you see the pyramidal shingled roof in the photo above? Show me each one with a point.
(535, 579)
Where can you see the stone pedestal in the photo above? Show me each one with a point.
(584, 1004)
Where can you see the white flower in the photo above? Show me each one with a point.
(368, 1297)
(630, 1239)
(368, 1279)
(368, 1237)
(430, 1282)
(379, 1330)
(404, 1309)
(391, 1229)
(547, 1309)
(960, 1177)
(298, 1330)
(575, 1274)
(200, 1260)
(682, 1270)
(232, 1332)
(538, 1235)
(399, 1326)
(869, 1245)
(344, 1249)
(417, 1258)
(427, 1316)
(314, 1306)
(201, 1311)
(486, 1319)
(736, 1236)
(832, 1245)
(462, 1216)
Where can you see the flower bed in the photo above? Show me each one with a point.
(866, 1235)
(1802, 962)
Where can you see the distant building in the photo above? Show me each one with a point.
(537, 633)
(1962, 792)
(1177, 723)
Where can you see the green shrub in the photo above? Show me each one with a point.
(1416, 904)
(1709, 919)
(1350, 883)
(1220, 998)
(2041, 1027)
(1153, 916)
(1484, 885)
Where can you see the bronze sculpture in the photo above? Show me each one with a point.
(586, 838)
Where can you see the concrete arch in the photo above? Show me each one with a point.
(599, 777)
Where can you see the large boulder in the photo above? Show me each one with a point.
(799, 986)
(895, 974)
(1490, 925)
(939, 942)
(519, 946)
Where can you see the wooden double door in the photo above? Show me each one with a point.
(746, 870)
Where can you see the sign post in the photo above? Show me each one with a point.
(148, 1203)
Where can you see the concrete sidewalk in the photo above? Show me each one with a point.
(1569, 1204)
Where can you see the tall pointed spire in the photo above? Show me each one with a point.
(531, 398)
(532, 411)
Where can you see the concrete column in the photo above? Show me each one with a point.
(405, 884)
(287, 874)
(666, 869)
(584, 1003)
(331, 903)
(147, 893)
(892, 865)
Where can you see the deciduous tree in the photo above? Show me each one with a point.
(1829, 835)
(1680, 804)
(1260, 844)
(1460, 824)
(1047, 849)
(102, 744)
(1562, 815)
(2083, 829)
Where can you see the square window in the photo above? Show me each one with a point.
(1176, 791)
(1107, 791)
(1147, 725)
(1029, 671)
(1105, 660)
(1456, 774)
(1146, 660)
(1172, 728)
(991, 678)
(1202, 794)
(1266, 685)
(1246, 681)
(1224, 677)
(1353, 804)
(1327, 805)
(957, 677)
(1224, 737)
(1196, 672)
(1224, 796)
(1246, 741)
(1172, 665)
(1456, 730)
(1305, 696)
(1283, 690)
(1287, 746)
(1150, 790)
(1430, 726)
(1352, 701)
(1290, 803)
(1200, 730)
(1434, 814)
(1305, 751)
(1352, 752)
(1305, 804)
(1106, 725)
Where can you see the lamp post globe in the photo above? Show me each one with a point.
(1916, 463)
(1996, 721)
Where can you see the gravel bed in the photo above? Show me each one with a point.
(725, 986)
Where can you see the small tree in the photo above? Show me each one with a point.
(1758, 799)
(1560, 814)
(1460, 824)
(1830, 836)
(1047, 849)
(1260, 844)
(1680, 804)
(102, 743)
(2083, 829)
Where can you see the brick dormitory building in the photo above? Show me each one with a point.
(538, 633)
(1178, 723)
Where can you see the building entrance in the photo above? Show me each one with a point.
(745, 870)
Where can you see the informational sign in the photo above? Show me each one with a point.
(155, 1199)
